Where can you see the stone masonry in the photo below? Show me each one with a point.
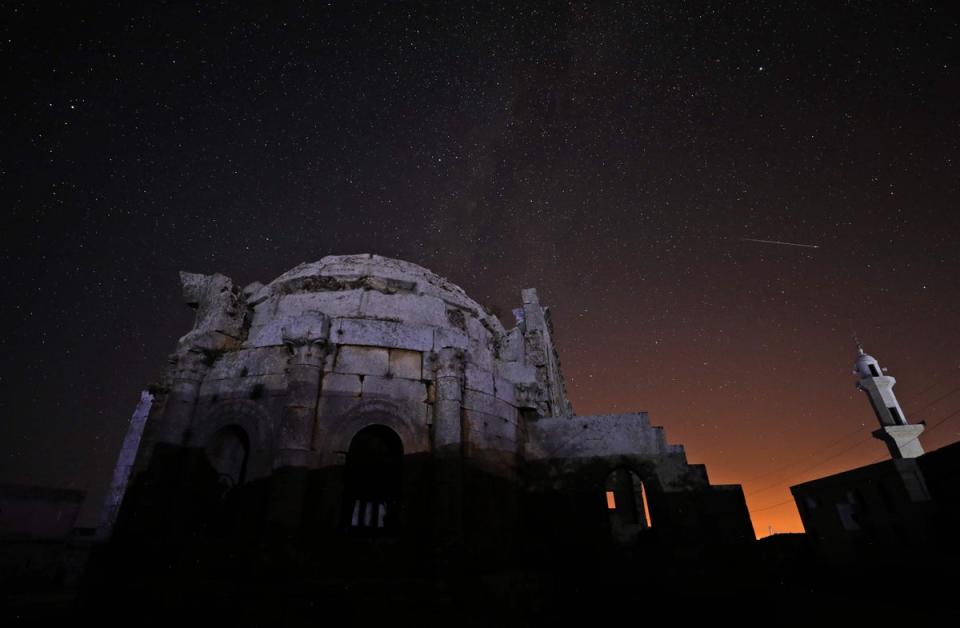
(275, 383)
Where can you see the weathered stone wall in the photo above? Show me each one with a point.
(300, 365)
(540, 351)
(495, 464)
(388, 320)
(597, 435)
(383, 324)
(574, 441)
(568, 466)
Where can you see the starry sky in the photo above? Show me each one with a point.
(613, 155)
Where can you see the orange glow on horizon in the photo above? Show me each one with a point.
(757, 406)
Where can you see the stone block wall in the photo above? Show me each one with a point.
(300, 365)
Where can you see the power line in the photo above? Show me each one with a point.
(804, 471)
(822, 449)
(792, 501)
(943, 420)
(854, 446)
(939, 399)
(927, 430)
(916, 397)
(789, 501)
(805, 459)
(774, 472)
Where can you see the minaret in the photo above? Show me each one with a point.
(901, 438)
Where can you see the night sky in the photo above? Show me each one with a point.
(612, 155)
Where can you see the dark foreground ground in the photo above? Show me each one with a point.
(752, 585)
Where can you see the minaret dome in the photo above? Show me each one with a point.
(867, 366)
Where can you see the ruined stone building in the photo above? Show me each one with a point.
(361, 406)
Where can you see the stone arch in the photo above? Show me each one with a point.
(247, 417)
(228, 452)
(627, 505)
(336, 434)
(373, 482)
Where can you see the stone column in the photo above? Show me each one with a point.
(306, 339)
(189, 369)
(541, 352)
(447, 439)
(448, 458)
(307, 344)
(218, 327)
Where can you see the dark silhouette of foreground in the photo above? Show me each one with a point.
(771, 581)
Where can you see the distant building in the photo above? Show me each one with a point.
(36, 524)
(38, 513)
(888, 510)
(362, 407)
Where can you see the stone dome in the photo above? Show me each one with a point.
(368, 287)
(378, 340)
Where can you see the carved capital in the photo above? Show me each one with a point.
(191, 364)
(448, 362)
(306, 339)
(310, 328)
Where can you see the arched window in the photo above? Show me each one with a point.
(372, 482)
(626, 501)
(227, 452)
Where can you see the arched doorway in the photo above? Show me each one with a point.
(227, 452)
(626, 505)
(372, 482)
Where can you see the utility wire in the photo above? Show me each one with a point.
(916, 397)
(854, 446)
(942, 421)
(805, 459)
(810, 468)
(927, 430)
(792, 501)
(822, 449)
(939, 399)
(789, 501)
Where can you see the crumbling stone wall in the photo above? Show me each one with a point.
(300, 365)
(383, 325)
(562, 446)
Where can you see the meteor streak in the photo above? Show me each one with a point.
(806, 246)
